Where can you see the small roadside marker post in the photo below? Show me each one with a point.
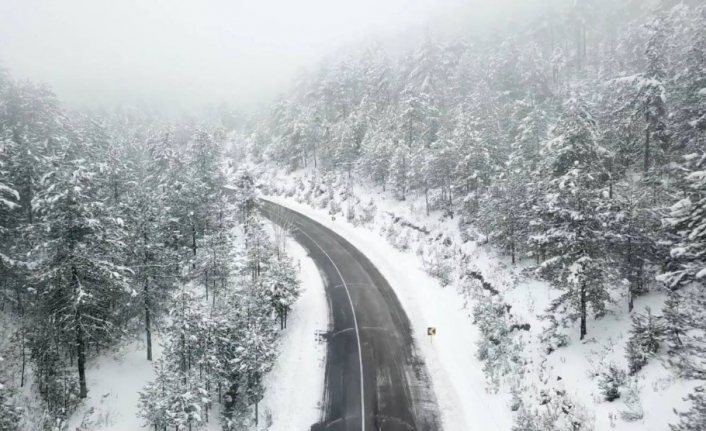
(431, 331)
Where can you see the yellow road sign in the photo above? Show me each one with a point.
(431, 331)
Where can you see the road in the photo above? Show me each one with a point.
(375, 380)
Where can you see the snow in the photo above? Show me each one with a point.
(465, 397)
(114, 381)
(701, 273)
(293, 389)
(450, 357)
(295, 386)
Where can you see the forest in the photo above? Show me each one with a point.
(120, 225)
(570, 140)
(575, 139)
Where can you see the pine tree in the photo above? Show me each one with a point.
(8, 203)
(283, 287)
(688, 217)
(577, 258)
(685, 309)
(693, 419)
(646, 336)
(79, 283)
(610, 381)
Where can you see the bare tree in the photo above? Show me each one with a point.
(283, 225)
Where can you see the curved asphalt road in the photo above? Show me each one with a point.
(369, 337)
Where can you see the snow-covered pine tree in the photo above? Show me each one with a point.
(502, 210)
(150, 255)
(400, 170)
(79, 281)
(688, 273)
(179, 397)
(496, 347)
(282, 287)
(688, 219)
(576, 262)
(376, 155)
(646, 336)
(9, 198)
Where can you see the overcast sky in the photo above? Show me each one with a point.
(188, 51)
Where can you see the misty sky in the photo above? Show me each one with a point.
(203, 51)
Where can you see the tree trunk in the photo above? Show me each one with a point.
(647, 146)
(24, 356)
(30, 214)
(583, 310)
(578, 47)
(80, 351)
(631, 278)
(451, 197)
(148, 321)
(80, 341)
(512, 241)
(193, 237)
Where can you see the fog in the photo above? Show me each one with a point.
(188, 52)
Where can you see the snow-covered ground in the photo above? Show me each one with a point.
(114, 381)
(405, 256)
(293, 389)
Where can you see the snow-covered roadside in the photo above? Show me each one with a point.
(450, 357)
(434, 245)
(295, 386)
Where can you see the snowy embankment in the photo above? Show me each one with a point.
(427, 262)
(293, 389)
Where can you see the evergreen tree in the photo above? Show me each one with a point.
(79, 280)
(645, 339)
(574, 236)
